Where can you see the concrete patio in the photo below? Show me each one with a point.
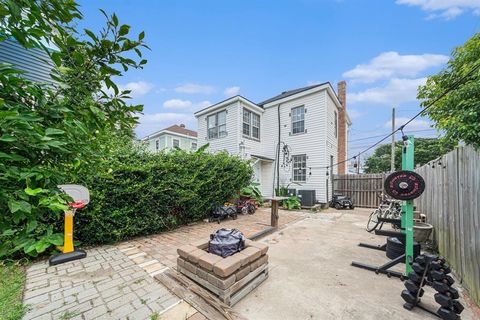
(310, 275)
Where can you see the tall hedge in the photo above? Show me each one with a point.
(150, 193)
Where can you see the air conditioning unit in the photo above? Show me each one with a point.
(307, 197)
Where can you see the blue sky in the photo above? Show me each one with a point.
(205, 51)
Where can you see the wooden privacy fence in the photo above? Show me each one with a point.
(364, 189)
(451, 202)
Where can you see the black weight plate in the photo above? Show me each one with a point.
(404, 185)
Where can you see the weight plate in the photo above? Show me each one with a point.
(404, 185)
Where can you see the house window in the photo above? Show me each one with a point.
(251, 124)
(300, 168)
(176, 143)
(157, 145)
(216, 125)
(336, 123)
(298, 120)
(194, 146)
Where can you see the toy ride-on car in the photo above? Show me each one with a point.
(339, 201)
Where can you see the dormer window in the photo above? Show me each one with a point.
(251, 124)
(216, 125)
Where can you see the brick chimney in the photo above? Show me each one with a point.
(342, 127)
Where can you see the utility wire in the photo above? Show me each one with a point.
(448, 90)
(381, 135)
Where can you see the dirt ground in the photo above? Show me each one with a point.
(311, 276)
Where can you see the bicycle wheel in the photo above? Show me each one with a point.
(373, 222)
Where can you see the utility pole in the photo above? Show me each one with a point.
(358, 164)
(392, 160)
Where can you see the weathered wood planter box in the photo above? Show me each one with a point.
(229, 278)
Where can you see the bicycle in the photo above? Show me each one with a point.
(388, 208)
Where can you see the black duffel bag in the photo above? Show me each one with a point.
(226, 242)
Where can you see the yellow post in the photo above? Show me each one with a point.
(68, 239)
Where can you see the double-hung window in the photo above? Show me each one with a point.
(300, 168)
(216, 125)
(194, 146)
(176, 143)
(251, 124)
(298, 120)
(157, 145)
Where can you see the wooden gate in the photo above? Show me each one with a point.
(364, 189)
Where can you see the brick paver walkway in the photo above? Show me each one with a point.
(116, 282)
(163, 247)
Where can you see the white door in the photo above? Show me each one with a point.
(257, 172)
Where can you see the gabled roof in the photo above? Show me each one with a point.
(181, 130)
(288, 93)
(173, 129)
(227, 102)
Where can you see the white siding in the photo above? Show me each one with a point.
(166, 142)
(312, 143)
(251, 146)
(331, 147)
(228, 143)
(317, 143)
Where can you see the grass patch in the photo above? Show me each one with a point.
(12, 279)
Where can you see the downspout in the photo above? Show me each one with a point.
(278, 149)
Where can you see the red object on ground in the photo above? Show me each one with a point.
(77, 205)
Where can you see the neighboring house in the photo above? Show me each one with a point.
(35, 62)
(176, 136)
(310, 123)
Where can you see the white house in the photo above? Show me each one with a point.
(298, 133)
(176, 136)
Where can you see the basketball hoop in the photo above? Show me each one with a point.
(81, 197)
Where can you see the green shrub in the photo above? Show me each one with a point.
(253, 191)
(150, 193)
(291, 203)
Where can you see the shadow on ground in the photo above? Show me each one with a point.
(311, 276)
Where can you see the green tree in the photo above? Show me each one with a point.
(426, 149)
(53, 135)
(458, 113)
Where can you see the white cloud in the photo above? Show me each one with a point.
(186, 105)
(177, 104)
(138, 89)
(446, 9)
(193, 88)
(395, 92)
(392, 64)
(416, 124)
(231, 91)
(152, 122)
